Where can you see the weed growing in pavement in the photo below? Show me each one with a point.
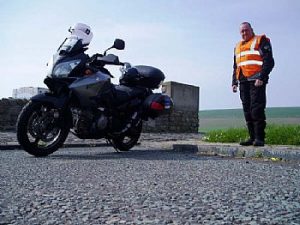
(258, 154)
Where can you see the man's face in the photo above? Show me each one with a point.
(246, 32)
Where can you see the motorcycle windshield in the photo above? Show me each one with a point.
(67, 58)
(70, 45)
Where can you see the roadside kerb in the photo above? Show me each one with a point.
(181, 143)
(234, 150)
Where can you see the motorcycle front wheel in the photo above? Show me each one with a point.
(40, 130)
(128, 140)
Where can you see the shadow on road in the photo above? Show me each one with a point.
(142, 154)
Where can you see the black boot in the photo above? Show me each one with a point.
(259, 127)
(249, 141)
(258, 143)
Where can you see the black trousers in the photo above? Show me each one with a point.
(254, 104)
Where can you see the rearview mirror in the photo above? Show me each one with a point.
(119, 44)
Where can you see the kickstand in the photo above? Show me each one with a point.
(108, 141)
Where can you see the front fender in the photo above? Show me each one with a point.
(58, 102)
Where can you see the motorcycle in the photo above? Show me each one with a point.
(83, 100)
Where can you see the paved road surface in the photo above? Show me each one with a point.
(145, 186)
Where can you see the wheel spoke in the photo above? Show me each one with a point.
(38, 129)
(36, 141)
(129, 139)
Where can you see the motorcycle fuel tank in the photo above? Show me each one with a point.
(88, 87)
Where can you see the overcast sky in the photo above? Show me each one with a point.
(191, 41)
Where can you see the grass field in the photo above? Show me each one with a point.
(234, 118)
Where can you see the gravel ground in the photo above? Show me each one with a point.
(7, 138)
(147, 185)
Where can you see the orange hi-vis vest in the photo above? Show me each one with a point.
(248, 57)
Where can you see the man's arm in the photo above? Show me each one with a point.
(234, 80)
(234, 83)
(268, 61)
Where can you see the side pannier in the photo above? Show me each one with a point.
(157, 104)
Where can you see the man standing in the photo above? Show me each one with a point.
(253, 61)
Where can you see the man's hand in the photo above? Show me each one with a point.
(234, 88)
(258, 83)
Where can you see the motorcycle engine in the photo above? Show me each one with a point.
(86, 122)
(102, 122)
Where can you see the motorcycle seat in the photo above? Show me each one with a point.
(124, 93)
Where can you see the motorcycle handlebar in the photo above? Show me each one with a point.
(109, 59)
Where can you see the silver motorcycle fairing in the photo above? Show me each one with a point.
(88, 87)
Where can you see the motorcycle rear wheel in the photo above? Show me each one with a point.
(39, 132)
(128, 140)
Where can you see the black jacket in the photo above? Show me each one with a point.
(265, 49)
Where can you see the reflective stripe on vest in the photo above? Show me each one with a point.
(250, 62)
(248, 58)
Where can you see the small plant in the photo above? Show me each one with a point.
(258, 154)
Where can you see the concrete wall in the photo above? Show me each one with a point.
(9, 111)
(185, 97)
(183, 119)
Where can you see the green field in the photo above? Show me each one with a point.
(234, 118)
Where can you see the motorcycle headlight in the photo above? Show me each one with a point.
(65, 68)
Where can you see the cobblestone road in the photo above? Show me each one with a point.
(147, 185)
